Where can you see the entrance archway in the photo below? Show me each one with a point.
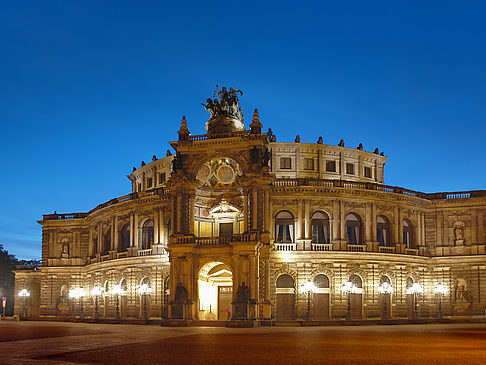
(215, 290)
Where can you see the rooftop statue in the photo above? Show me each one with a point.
(227, 105)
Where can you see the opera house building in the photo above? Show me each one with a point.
(235, 226)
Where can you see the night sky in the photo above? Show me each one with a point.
(89, 89)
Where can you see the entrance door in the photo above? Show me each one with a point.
(285, 298)
(285, 307)
(356, 306)
(225, 297)
(320, 307)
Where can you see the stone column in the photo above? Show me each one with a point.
(173, 220)
(191, 213)
(100, 238)
(307, 220)
(135, 231)
(266, 211)
(156, 226)
(342, 226)
(245, 210)
(299, 234)
(254, 209)
(90, 242)
(396, 231)
(367, 223)
(179, 213)
(114, 244)
(163, 228)
(132, 230)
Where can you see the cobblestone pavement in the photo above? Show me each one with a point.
(79, 343)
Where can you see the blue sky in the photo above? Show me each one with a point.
(89, 89)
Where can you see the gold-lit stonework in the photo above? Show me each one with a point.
(237, 226)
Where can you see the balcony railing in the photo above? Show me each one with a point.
(386, 249)
(243, 237)
(356, 248)
(378, 187)
(144, 252)
(285, 246)
(411, 251)
(322, 247)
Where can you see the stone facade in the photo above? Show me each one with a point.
(234, 211)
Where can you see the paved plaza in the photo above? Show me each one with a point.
(80, 343)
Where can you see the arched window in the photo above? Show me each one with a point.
(123, 285)
(320, 228)
(125, 237)
(407, 234)
(383, 231)
(147, 234)
(145, 280)
(321, 281)
(356, 280)
(284, 227)
(353, 229)
(107, 242)
(409, 282)
(285, 281)
(385, 279)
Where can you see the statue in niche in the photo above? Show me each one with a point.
(243, 293)
(460, 292)
(459, 233)
(266, 157)
(177, 162)
(181, 294)
(254, 155)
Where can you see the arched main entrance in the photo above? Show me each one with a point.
(215, 291)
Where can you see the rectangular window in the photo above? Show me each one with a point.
(308, 164)
(161, 177)
(331, 166)
(285, 163)
(149, 182)
(139, 187)
(367, 172)
(349, 169)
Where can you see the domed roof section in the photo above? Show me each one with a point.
(226, 115)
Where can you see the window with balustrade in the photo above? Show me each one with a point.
(383, 231)
(125, 237)
(284, 227)
(147, 234)
(320, 228)
(407, 234)
(353, 229)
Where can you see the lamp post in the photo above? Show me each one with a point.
(414, 290)
(73, 294)
(440, 290)
(386, 289)
(309, 288)
(81, 294)
(117, 291)
(24, 294)
(349, 288)
(96, 292)
(144, 290)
